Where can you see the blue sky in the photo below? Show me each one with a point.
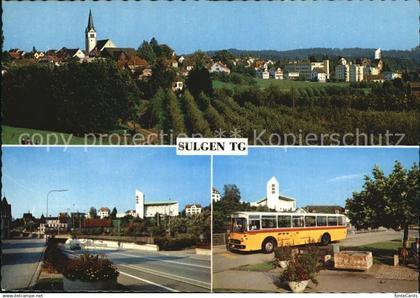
(101, 177)
(189, 26)
(313, 176)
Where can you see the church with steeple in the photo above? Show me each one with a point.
(95, 47)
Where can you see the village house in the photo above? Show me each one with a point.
(276, 73)
(53, 225)
(219, 67)
(191, 210)
(97, 225)
(104, 212)
(319, 75)
(215, 195)
(65, 53)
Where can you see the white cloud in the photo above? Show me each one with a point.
(345, 177)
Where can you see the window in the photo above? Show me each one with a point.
(238, 224)
(310, 221)
(268, 222)
(321, 221)
(298, 221)
(340, 221)
(285, 221)
(273, 189)
(92, 35)
(332, 220)
(254, 223)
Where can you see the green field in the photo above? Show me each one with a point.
(282, 84)
(12, 135)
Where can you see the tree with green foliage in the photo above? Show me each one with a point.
(391, 201)
(229, 203)
(194, 119)
(173, 119)
(199, 80)
(92, 212)
(113, 213)
(146, 52)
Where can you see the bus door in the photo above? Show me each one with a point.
(284, 236)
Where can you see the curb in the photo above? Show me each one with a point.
(37, 272)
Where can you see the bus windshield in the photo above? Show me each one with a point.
(238, 224)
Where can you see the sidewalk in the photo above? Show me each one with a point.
(329, 281)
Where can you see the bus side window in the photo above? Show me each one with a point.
(340, 221)
(332, 220)
(310, 221)
(254, 223)
(298, 221)
(268, 221)
(284, 221)
(321, 221)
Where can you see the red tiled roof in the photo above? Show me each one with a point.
(98, 223)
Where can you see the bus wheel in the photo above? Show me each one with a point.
(268, 245)
(325, 239)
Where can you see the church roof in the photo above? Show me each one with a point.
(101, 43)
(90, 22)
(281, 198)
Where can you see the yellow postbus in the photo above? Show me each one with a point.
(252, 231)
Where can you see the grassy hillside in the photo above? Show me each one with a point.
(11, 136)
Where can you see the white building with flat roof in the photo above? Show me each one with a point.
(274, 200)
(150, 209)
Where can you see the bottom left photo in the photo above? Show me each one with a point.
(91, 219)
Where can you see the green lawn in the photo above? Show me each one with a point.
(283, 84)
(11, 136)
(261, 267)
(383, 252)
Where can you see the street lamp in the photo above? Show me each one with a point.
(51, 191)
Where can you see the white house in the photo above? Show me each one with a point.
(318, 74)
(177, 86)
(219, 67)
(150, 209)
(389, 75)
(292, 75)
(274, 200)
(277, 74)
(104, 212)
(215, 195)
(193, 209)
(53, 224)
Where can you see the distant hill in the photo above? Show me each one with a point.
(352, 53)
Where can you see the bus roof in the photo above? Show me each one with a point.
(283, 213)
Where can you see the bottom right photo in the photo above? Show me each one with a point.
(324, 219)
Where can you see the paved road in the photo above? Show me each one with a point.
(146, 271)
(20, 259)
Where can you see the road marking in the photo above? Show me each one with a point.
(150, 282)
(187, 280)
(166, 261)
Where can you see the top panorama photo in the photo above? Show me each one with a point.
(145, 73)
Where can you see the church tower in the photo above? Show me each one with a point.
(139, 204)
(273, 193)
(90, 35)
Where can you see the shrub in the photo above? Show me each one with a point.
(176, 243)
(283, 253)
(301, 267)
(54, 259)
(90, 268)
